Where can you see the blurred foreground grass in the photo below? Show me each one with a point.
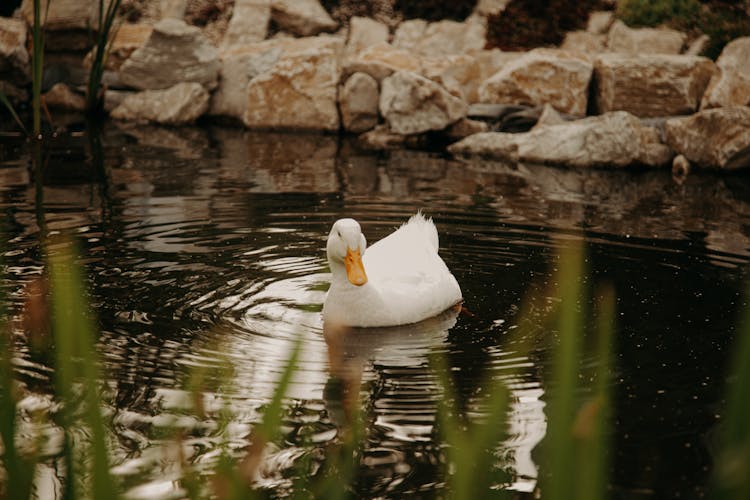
(573, 457)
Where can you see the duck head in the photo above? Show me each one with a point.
(345, 247)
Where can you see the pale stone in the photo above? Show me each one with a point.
(127, 39)
(698, 46)
(614, 140)
(459, 74)
(64, 15)
(549, 116)
(301, 17)
(464, 128)
(239, 65)
(490, 7)
(382, 60)
(493, 60)
(730, 86)
(713, 138)
(412, 104)
(644, 40)
(541, 76)
(440, 38)
(14, 58)
(409, 33)
(249, 22)
(172, 9)
(177, 105)
(363, 33)
(358, 101)
(654, 85)
(680, 166)
(600, 21)
(585, 42)
(174, 53)
(61, 96)
(299, 91)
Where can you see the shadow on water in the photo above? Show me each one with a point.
(208, 244)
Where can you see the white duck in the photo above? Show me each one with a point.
(401, 279)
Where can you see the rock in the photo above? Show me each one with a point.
(490, 7)
(382, 60)
(15, 64)
(113, 98)
(698, 46)
(541, 76)
(299, 91)
(655, 85)
(239, 65)
(459, 74)
(381, 138)
(16, 95)
(549, 116)
(64, 15)
(730, 86)
(177, 105)
(680, 166)
(409, 33)
(172, 9)
(464, 128)
(441, 38)
(61, 96)
(644, 40)
(358, 101)
(713, 138)
(301, 17)
(492, 61)
(127, 39)
(363, 33)
(412, 104)
(174, 53)
(249, 22)
(584, 42)
(600, 22)
(615, 139)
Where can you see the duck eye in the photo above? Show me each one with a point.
(338, 233)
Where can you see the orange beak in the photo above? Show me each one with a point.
(355, 270)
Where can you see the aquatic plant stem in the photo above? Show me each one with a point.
(101, 50)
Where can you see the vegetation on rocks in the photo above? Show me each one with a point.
(722, 21)
(527, 24)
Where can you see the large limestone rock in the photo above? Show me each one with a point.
(174, 53)
(493, 60)
(382, 60)
(180, 104)
(412, 104)
(541, 76)
(249, 22)
(600, 22)
(713, 138)
(239, 65)
(459, 74)
(649, 86)
(301, 17)
(64, 15)
(299, 91)
(584, 42)
(63, 97)
(14, 58)
(613, 140)
(358, 101)
(644, 40)
(363, 33)
(128, 38)
(440, 38)
(730, 86)
(490, 7)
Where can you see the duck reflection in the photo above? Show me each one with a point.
(403, 350)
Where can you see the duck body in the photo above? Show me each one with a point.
(399, 280)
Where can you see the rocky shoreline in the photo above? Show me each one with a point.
(609, 96)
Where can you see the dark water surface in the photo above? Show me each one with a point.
(204, 246)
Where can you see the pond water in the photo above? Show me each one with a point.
(205, 247)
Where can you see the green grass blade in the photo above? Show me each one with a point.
(732, 474)
(12, 111)
(77, 372)
(101, 51)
